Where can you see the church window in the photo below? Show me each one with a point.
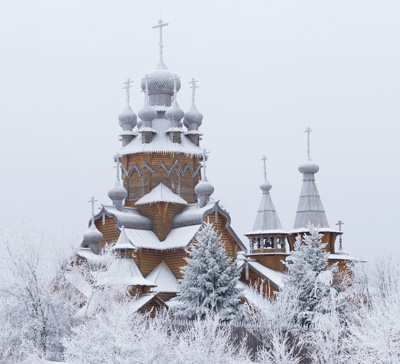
(280, 243)
(269, 243)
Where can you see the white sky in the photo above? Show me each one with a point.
(266, 70)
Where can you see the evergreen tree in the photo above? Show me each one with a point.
(210, 279)
(311, 282)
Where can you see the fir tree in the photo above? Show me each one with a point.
(210, 279)
(311, 282)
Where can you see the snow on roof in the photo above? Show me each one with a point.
(321, 230)
(252, 296)
(77, 281)
(193, 214)
(139, 302)
(161, 142)
(272, 231)
(163, 278)
(89, 256)
(310, 209)
(161, 193)
(342, 256)
(177, 238)
(276, 277)
(123, 241)
(267, 218)
(129, 217)
(123, 272)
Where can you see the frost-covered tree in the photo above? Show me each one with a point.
(311, 285)
(209, 280)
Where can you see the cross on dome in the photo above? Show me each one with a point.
(127, 87)
(160, 25)
(193, 86)
(340, 223)
(92, 201)
(264, 159)
(175, 78)
(117, 164)
(308, 131)
(205, 153)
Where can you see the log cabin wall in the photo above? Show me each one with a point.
(272, 261)
(328, 238)
(175, 259)
(147, 260)
(261, 284)
(108, 230)
(161, 215)
(138, 186)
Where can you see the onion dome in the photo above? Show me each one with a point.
(127, 118)
(117, 192)
(193, 118)
(93, 237)
(265, 186)
(174, 112)
(308, 167)
(160, 81)
(147, 113)
(204, 188)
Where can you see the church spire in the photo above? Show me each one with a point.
(267, 219)
(310, 209)
(193, 117)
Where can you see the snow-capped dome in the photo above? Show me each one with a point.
(160, 81)
(265, 186)
(117, 192)
(127, 118)
(193, 118)
(308, 167)
(174, 112)
(204, 188)
(147, 113)
(92, 235)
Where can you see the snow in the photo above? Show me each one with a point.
(164, 279)
(161, 142)
(123, 241)
(267, 218)
(79, 283)
(139, 302)
(91, 258)
(177, 238)
(123, 272)
(161, 193)
(252, 296)
(271, 231)
(128, 217)
(320, 229)
(193, 214)
(341, 256)
(275, 277)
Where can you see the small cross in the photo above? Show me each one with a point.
(193, 86)
(175, 78)
(264, 159)
(340, 223)
(160, 25)
(308, 131)
(92, 200)
(127, 88)
(117, 164)
(205, 153)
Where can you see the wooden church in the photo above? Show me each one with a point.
(162, 197)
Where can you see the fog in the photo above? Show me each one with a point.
(267, 70)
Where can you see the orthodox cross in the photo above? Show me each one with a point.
(146, 90)
(308, 131)
(174, 79)
(92, 200)
(160, 25)
(117, 164)
(264, 159)
(127, 88)
(205, 153)
(193, 86)
(340, 223)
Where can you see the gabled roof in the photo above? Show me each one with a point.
(177, 238)
(163, 278)
(275, 277)
(161, 142)
(123, 272)
(123, 241)
(161, 193)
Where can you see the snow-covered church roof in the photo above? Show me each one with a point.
(163, 278)
(161, 193)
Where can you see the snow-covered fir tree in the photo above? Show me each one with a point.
(311, 284)
(210, 279)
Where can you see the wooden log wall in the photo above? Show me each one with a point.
(110, 234)
(137, 186)
(329, 238)
(267, 288)
(161, 214)
(272, 261)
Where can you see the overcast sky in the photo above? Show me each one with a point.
(266, 71)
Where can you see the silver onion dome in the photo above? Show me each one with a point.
(174, 112)
(308, 167)
(204, 188)
(265, 186)
(127, 118)
(118, 192)
(193, 118)
(147, 113)
(92, 235)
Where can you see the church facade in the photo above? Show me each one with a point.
(162, 197)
